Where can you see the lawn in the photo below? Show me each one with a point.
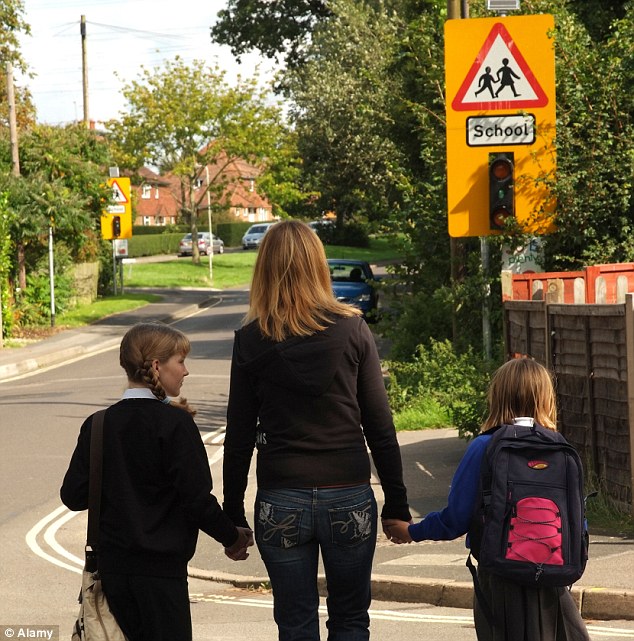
(231, 269)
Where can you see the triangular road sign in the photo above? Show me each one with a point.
(118, 194)
(500, 78)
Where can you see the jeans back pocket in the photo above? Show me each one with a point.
(278, 526)
(352, 525)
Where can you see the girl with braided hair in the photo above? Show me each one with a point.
(156, 492)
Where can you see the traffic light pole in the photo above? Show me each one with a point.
(114, 268)
(460, 9)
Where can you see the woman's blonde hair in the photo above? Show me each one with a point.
(522, 387)
(146, 342)
(291, 292)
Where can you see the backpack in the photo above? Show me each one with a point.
(529, 520)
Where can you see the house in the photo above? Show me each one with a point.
(155, 199)
(158, 198)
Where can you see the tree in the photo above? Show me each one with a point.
(182, 119)
(343, 114)
(61, 184)
(276, 29)
(12, 23)
(595, 137)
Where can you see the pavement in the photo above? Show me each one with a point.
(429, 572)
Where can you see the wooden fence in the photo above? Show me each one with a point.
(590, 348)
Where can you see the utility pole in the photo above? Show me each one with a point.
(13, 128)
(84, 69)
(15, 156)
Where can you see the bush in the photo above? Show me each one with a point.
(456, 382)
(33, 304)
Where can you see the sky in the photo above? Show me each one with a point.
(121, 36)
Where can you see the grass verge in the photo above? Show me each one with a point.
(231, 269)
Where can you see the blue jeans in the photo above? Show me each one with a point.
(291, 527)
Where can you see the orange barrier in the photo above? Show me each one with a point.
(597, 284)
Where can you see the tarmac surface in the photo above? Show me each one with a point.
(429, 572)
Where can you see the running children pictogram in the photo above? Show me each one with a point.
(499, 78)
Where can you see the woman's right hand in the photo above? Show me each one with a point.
(238, 551)
(396, 531)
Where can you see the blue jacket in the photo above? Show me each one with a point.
(455, 519)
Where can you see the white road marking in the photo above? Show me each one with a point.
(31, 540)
(423, 469)
(215, 437)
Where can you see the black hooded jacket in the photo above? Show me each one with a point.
(310, 405)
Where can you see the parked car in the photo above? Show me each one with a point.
(254, 235)
(204, 240)
(352, 282)
(324, 223)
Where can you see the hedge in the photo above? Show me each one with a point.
(152, 240)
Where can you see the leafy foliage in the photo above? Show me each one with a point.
(277, 29)
(61, 185)
(456, 382)
(12, 24)
(183, 118)
(341, 110)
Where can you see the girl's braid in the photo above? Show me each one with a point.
(151, 379)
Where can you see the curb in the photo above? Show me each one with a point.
(593, 603)
(28, 365)
(47, 360)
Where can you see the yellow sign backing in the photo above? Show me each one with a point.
(500, 93)
(122, 208)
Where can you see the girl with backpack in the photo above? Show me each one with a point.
(521, 393)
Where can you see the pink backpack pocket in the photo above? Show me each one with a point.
(535, 532)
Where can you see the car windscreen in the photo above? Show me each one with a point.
(346, 273)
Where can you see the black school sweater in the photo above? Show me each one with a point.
(313, 405)
(156, 489)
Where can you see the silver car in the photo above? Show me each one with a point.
(204, 240)
(254, 235)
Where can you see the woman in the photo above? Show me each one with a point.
(521, 393)
(156, 490)
(307, 391)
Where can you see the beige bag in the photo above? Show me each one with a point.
(95, 621)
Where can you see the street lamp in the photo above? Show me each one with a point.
(211, 235)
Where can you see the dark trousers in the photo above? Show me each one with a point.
(149, 608)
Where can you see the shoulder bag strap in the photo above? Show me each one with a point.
(94, 482)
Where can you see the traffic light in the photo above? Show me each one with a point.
(116, 226)
(501, 188)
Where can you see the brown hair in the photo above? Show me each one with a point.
(522, 387)
(146, 342)
(291, 292)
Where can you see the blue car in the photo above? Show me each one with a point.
(352, 282)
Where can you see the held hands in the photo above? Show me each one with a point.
(238, 551)
(396, 531)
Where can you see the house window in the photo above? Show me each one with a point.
(198, 183)
(156, 192)
(147, 191)
(160, 220)
(147, 220)
(251, 184)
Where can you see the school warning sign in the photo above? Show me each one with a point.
(500, 103)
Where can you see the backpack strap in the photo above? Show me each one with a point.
(484, 604)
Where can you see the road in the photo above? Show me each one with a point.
(41, 542)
